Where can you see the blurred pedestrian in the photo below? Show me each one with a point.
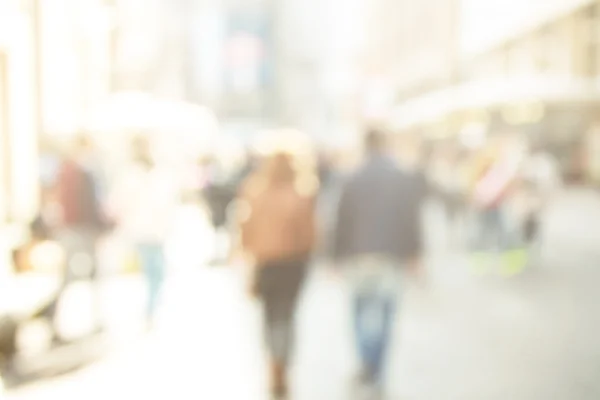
(325, 170)
(448, 186)
(494, 186)
(413, 159)
(378, 231)
(81, 223)
(219, 193)
(248, 167)
(541, 181)
(278, 235)
(144, 203)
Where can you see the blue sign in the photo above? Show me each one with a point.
(248, 51)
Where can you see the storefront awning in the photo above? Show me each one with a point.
(179, 127)
(434, 106)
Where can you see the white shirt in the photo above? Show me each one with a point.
(144, 203)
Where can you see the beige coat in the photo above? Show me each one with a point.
(277, 222)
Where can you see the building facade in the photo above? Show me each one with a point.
(75, 60)
(18, 135)
(413, 45)
(535, 69)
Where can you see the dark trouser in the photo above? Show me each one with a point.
(79, 245)
(453, 204)
(493, 233)
(455, 214)
(279, 284)
(532, 227)
(8, 340)
(152, 259)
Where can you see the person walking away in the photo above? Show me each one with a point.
(144, 203)
(444, 175)
(278, 236)
(378, 231)
(542, 181)
(412, 159)
(248, 168)
(81, 223)
(325, 170)
(492, 190)
(219, 193)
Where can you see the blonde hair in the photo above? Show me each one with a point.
(283, 168)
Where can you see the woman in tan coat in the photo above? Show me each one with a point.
(278, 236)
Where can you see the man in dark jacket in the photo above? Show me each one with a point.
(378, 230)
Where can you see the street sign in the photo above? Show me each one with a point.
(247, 55)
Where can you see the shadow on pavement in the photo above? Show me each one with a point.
(60, 360)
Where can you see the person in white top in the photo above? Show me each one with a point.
(144, 203)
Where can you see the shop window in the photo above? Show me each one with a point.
(5, 144)
(554, 56)
(521, 58)
(491, 66)
(542, 53)
(591, 37)
(586, 42)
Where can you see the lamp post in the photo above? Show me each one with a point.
(5, 153)
(38, 60)
(113, 9)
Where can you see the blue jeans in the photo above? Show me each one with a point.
(152, 259)
(374, 300)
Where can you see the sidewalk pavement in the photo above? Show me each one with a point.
(464, 337)
(492, 343)
(122, 302)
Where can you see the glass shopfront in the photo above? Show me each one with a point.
(5, 144)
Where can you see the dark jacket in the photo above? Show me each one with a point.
(380, 212)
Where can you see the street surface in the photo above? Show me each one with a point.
(460, 336)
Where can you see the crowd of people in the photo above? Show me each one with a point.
(268, 210)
